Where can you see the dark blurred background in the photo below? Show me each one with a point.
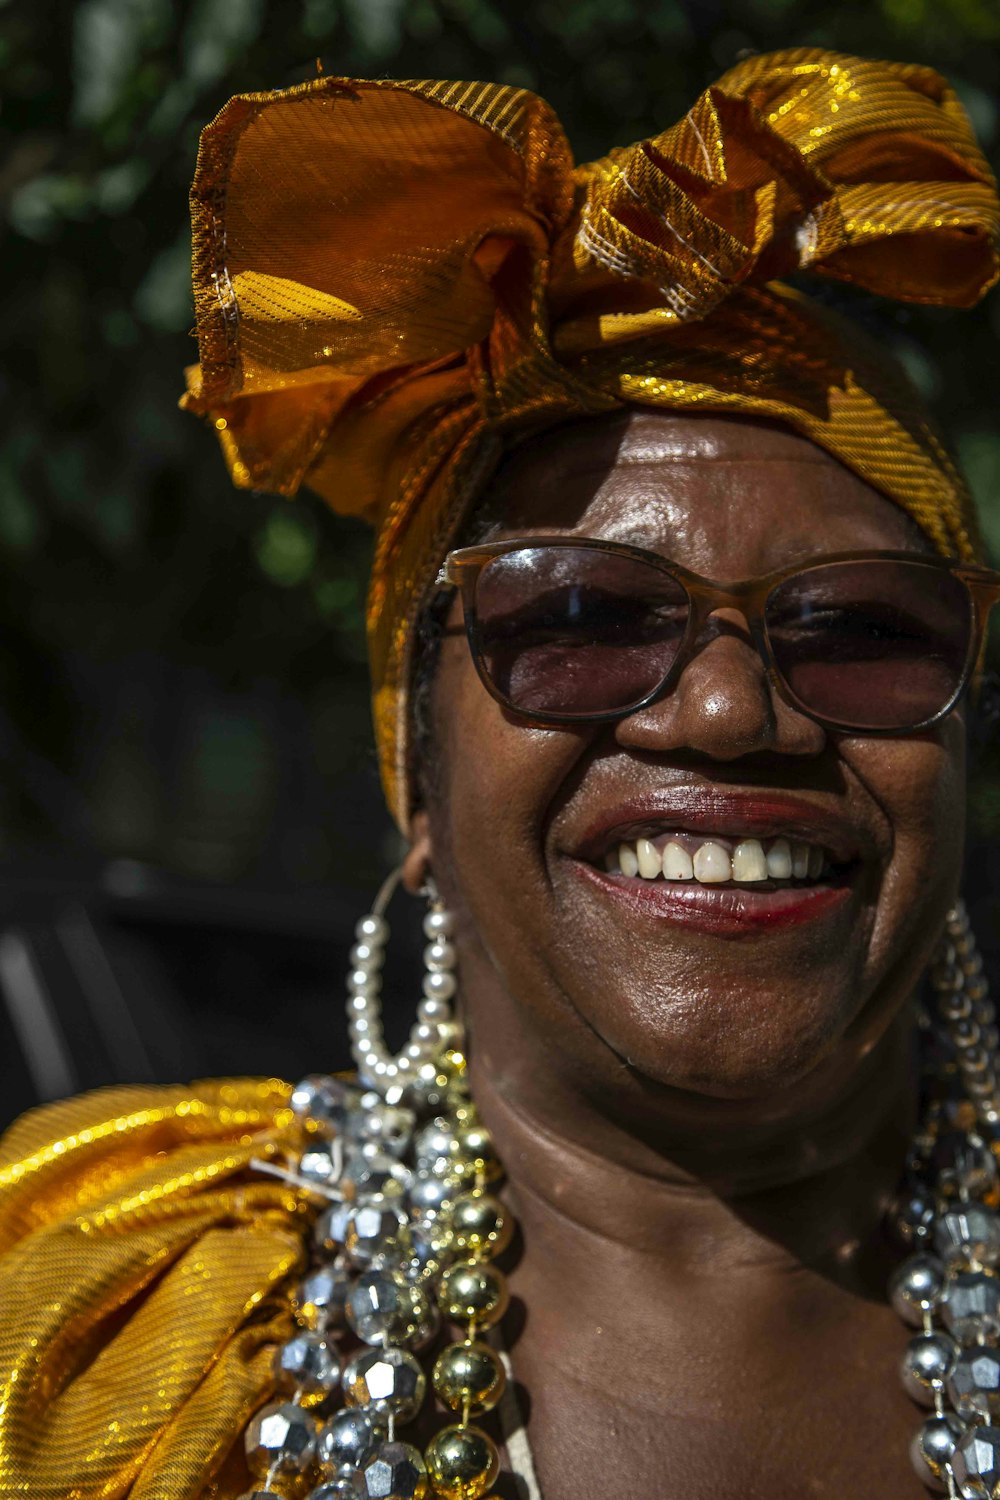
(190, 818)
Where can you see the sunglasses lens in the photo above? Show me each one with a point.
(871, 645)
(572, 631)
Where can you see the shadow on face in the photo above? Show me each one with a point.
(624, 994)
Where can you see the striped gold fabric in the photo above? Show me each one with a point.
(142, 1271)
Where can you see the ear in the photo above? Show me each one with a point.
(418, 858)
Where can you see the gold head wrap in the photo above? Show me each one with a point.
(394, 280)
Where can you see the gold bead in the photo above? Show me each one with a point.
(480, 1224)
(463, 1463)
(469, 1374)
(473, 1292)
(474, 1143)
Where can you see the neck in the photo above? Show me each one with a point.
(792, 1182)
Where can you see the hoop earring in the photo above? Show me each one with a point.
(416, 1067)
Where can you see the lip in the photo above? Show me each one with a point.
(724, 911)
(756, 813)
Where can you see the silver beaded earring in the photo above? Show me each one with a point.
(415, 1069)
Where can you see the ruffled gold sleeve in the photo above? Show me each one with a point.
(141, 1272)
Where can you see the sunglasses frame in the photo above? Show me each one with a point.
(463, 567)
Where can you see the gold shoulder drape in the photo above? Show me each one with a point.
(393, 279)
(141, 1277)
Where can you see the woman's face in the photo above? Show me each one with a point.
(559, 953)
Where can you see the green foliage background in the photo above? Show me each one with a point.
(181, 667)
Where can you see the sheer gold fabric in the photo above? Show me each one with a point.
(394, 279)
(141, 1289)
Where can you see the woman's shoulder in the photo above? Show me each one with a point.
(142, 1257)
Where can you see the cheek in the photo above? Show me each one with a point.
(919, 785)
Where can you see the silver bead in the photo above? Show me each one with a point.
(967, 1234)
(281, 1437)
(318, 1300)
(974, 1384)
(330, 1230)
(347, 1439)
(964, 1165)
(372, 929)
(376, 1231)
(438, 986)
(390, 1128)
(348, 1486)
(382, 1308)
(913, 1218)
(438, 924)
(932, 1448)
(928, 1361)
(375, 1173)
(440, 957)
(389, 1380)
(975, 1463)
(917, 1287)
(396, 1472)
(430, 1194)
(307, 1361)
(435, 1140)
(323, 1100)
(971, 1306)
(317, 1165)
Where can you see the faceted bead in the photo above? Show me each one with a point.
(260, 1495)
(913, 1217)
(976, 1463)
(323, 1102)
(348, 1486)
(330, 1231)
(376, 1231)
(317, 1165)
(917, 1287)
(347, 1439)
(470, 1373)
(463, 1463)
(928, 1361)
(318, 1300)
(971, 1306)
(974, 1384)
(963, 1165)
(390, 1380)
(932, 1447)
(968, 1233)
(308, 1362)
(480, 1224)
(391, 1128)
(473, 1292)
(381, 1308)
(376, 1173)
(396, 1471)
(282, 1437)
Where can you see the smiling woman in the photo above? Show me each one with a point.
(676, 602)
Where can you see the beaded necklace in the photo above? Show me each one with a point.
(410, 1228)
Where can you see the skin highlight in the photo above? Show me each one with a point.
(700, 1132)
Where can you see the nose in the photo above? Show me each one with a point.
(723, 704)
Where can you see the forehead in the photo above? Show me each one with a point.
(727, 496)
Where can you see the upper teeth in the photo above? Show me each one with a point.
(711, 862)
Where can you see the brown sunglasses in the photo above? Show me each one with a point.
(576, 630)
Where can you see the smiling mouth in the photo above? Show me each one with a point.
(677, 857)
